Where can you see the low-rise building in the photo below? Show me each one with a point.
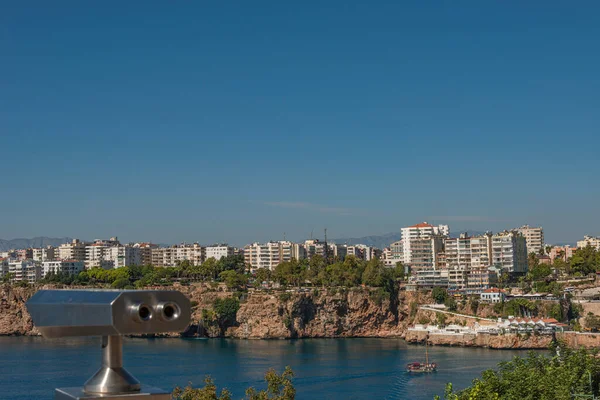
(429, 278)
(493, 295)
(25, 254)
(562, 252)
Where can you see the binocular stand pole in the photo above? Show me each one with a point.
(112, 381)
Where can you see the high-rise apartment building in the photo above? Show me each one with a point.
(424, 252)
(314, 247)
(268, 255)
(145, 252)
(534, 238)
(218, 251)
(509, 251)
(25, 270)
(412, 240)
(123, 256)
(44, 254)
(72, 251)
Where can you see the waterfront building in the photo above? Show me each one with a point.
(534, 238)
(218, 251)
(47, 253)
(413, 235)
(429, 278)
(25, 270)
(70, 267)
(72, 251)
(493, 295)
(509, 251)
(589, 241)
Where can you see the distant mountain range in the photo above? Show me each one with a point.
(41, 241)
(381, 241)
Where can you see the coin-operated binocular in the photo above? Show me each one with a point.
(110, 314)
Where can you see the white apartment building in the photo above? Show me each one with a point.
(145, 250)
(218, 251)
(337, 250)
(95, 256)
(173, 255)
(425, 252)
(534, 238)
(123, 256)
(268, 255)
(469, 252)
(25, 270)
(417, 232)
(44, 254)
(314, 247)
(71, 251)
(70, 267)
(589, 241)
(509, 251)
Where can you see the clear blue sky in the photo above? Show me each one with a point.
(241, 120)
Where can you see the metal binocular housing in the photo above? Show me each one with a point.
(110, 314)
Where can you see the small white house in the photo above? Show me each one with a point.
(493, 295)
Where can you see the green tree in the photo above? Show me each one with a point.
(536, 377)
(225, 310)
(208, 269)
(208, 392)
(439, 294)
(262, 275)
(233, 279)
(279, 387)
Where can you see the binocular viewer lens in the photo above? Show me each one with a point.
(166, 311)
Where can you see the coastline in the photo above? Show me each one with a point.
(320, 313)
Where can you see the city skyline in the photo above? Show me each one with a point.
(237, 123)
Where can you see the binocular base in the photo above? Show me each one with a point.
(146, 393)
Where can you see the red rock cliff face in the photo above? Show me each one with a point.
(14, 318)
(356, 312)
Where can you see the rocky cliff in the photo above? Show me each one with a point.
(357, 312)
(318, 313)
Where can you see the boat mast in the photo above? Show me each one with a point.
(426, 354)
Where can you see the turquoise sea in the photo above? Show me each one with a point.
(30, 368)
